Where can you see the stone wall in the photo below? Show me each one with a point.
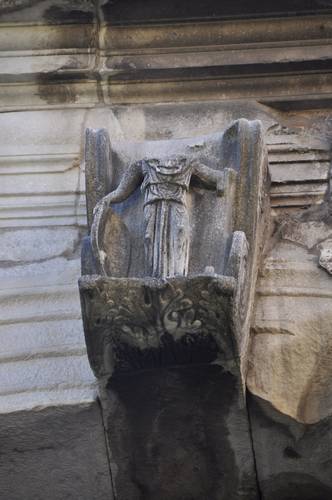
(152, 73)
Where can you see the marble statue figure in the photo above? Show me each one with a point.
(165, 184)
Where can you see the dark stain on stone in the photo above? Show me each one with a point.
(56, 14)
(15, 5)
(281, 443)
(297, 486)
(69, 76)
(126, 11)
(320, 213)
(189, 349)
(57, 94)
(55, 89)
(171, 438)
(291, 453)
(226, 70)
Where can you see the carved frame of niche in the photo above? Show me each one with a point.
(134, 322)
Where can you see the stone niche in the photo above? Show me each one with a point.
(168, 276)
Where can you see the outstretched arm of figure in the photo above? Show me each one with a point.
(130, 180)
(210, 177)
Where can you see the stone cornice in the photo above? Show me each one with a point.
(85, 64)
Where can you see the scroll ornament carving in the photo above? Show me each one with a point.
(167, 311)
(175, 316)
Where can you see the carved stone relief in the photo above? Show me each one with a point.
(169, 272)
(148, 324)
(190, 209)
(164, 185)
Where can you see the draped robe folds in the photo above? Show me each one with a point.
(167, 230)
(165, 184)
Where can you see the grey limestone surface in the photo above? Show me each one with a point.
(58, 453)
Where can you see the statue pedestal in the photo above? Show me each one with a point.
(167, 357)
(143, 324)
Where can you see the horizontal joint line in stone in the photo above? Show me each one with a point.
(55, 387)
(29, 356)
(69, 288)
(39, 319)
(294, 292)
(289, 194)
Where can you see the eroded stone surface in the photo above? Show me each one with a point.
(132, 325)
(293, 459)
(168, 345)
(180, 434)
(308, 234)
(52, 116)
(325, 255)
(164, 184)
(291, 357)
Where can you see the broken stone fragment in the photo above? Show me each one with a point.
(307, 233)
(325, 257)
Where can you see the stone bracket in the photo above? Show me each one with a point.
(138, 324)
